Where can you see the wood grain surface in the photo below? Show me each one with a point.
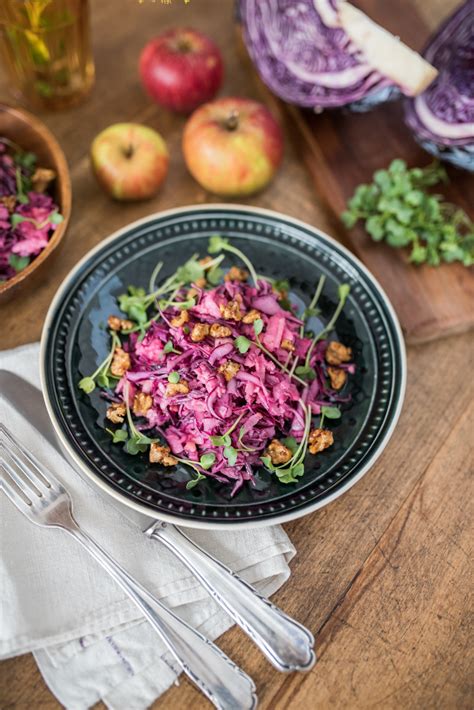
(383, 576)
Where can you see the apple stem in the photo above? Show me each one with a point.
(128, 152)
(232, 120)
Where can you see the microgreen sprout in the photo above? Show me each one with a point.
(343, 292)
(218, 243)
(397, 208)
(87, 384)
(330, 413)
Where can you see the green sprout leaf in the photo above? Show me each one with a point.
(56, 218)
(18, 262)
(215, 275)
(118, 436)
(306, 372)
(207, 460)
(103, 379)
(331, 412)
(194, 481)
(173, 377)
(217, 244)
(87, 384)
(258, 326)
(242, 344)
(291, 443)
(231, 455)
(17, 219)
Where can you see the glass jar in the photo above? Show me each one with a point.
(45, 47)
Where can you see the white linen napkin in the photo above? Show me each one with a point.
(89, 640)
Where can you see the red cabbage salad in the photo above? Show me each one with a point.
(214, 369)
(28, 215)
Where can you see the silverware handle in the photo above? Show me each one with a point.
(224, 683)
(287, 644)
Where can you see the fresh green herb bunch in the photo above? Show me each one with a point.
(397, 208)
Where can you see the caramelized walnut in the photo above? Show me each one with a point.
(119, 324)
(336, 353)
(236, 274)
(199, 332)
(180, 320)
(337, 377)
(173, 388)
(229, 369)
(320, 439)
(116, 412)
(287, 345)
(120, 362)
(231, 310)
(220, 331)
(251, 316)
(162, 454)
(141, 404)
(278, 452)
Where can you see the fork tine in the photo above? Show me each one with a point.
(17, 473)
(17, 496)
(34, 471)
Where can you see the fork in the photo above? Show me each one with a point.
(44, 501)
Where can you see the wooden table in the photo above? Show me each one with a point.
(382, 576)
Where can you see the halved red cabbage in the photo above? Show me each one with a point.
(442, 117)
(327, 53)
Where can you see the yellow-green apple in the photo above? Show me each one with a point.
(181, 69)
(232, 146)
(129, 160)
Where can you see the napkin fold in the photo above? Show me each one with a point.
(88, 639)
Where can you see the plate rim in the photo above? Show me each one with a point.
(231, 524)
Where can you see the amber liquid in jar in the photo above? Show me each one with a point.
(45, 49)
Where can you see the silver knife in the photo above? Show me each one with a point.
(287, 644)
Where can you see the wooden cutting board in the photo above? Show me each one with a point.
(342, 149)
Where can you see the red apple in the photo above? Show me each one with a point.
(232, 146)
(129, 160)
(181, 69)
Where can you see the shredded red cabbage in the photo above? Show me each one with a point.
(220, 399)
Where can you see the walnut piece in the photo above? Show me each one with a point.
(119, 324)
(337, 377)
(236, 274)
(162, 454)
(141, 404)
(251, 316)
(120, 362)
(231, 310)
(220, 331)
(41, 179)
(278, 452)
(180, 387)
(116, 412)
(287, 345)
(320, 439)
(229, 369)
(179, 321)
(336, 353)
(199, 332)
(205, 261)
(8, 201)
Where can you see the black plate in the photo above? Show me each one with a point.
(75, 342)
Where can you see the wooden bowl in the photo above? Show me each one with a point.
(32, 135)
